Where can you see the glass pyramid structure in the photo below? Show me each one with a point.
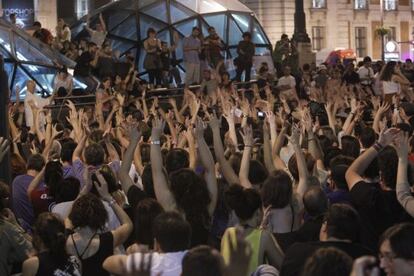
(28, 58)
(127, 23)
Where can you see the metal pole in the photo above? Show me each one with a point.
(382, 27)
(300, 34)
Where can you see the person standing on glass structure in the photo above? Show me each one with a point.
(191, 49)
(98, 35)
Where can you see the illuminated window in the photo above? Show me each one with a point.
(319, 4)
(361, 4)
(318, 38)
(361, 41)
(81, 8)
(390, 5)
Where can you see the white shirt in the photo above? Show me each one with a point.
(98, 37)
(290, 81)
(169, 264)
(39, 102)
(366, 73)
(67, 83)
(63, 209)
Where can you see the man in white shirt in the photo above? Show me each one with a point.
(35, 100)
(366, 75)
(172, 234)
(287, 81)
(98, 35)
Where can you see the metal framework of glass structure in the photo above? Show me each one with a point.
(127, 23)
(27, 58)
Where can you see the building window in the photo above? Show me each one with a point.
(318, 4)
(361, 41)
(361, 4)
(390, 5)
(392, 34)
(81, 8)
(318, 38)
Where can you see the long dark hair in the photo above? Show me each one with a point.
(49, 231)
(192, 197)
(388, 71)
(144, 215)
(53, 177)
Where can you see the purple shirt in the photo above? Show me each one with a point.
(68, 171)
(22, 207)
(191, 56)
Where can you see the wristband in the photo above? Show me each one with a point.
(377, 146)
(156, 142)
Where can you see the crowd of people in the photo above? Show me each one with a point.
(307, 171)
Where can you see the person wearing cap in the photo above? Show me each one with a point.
(366, 75)
(244, 61)
(322, 77)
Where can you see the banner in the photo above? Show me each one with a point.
(24, 10)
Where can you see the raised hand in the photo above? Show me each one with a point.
(158, 126)
(102, 187)
(4, 147)
(247, 135)
(295, 137)
(383, 108)
(402, 144)
(214, 121)
(387, 136)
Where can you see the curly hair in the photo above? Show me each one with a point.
(88, 211)
(49, 231)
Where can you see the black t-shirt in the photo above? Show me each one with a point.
(298, 253)
(378, 211)
(49, 266)
(83, 64)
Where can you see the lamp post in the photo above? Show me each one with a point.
(382, 33)
(300, 34)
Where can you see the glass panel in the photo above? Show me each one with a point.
(141, 60)
(127, 29)
(5, 42)
(243, 20)
(20, 80)
(116, 17)
(158, 11)
(121, 46)
(179, 48)
(233, 53)
(146, 23)
(3, 51)
(186, 27)
(209, 6)
(26, 52)
(143, 3)
(43, 75)
(218, 22)
(9, 70)
(262, 51)
(235, 35)
(258, 36)
(165, 36)
(191, 4)
(179, 13)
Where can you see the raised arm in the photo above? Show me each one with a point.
(121, 233)
(300, 159)
(35, 183)
(102, 21)
(208, 163)
(403, 191)
(267, 149)
(247, 135)
(162, 191)
(126, 181)
(226, 169)
(355, 171)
